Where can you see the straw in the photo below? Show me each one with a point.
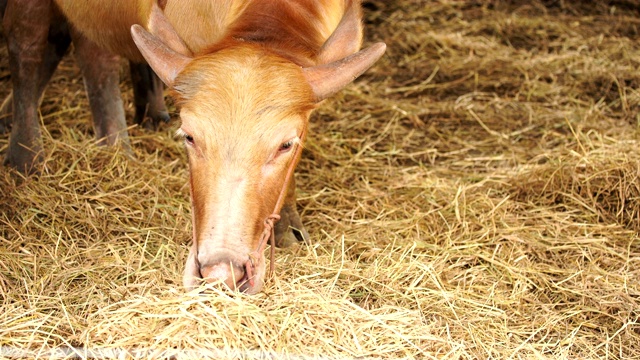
(474, 195)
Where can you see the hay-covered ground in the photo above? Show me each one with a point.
(475, 195)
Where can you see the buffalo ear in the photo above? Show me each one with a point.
(327, 79)
(165, 62)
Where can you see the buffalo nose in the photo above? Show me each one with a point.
(225, 272)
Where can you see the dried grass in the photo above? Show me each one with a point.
(475, 195)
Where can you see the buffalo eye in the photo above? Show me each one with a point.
(286, 146)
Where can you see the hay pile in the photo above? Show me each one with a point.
(474, 195)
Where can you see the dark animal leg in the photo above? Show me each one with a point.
(289, 230)
(101, 72)
(6, 114)
(58, 41)
(26, 25)
(148, 96)
(6, 107)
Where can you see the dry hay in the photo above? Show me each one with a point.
(474, 195)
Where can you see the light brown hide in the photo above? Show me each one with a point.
(246, 76)
(108, 26)
(203, 24)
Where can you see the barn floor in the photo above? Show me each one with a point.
(474, 195)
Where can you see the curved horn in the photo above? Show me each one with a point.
(346, 38)
(166, 62)
(160, 26)
(326, 80)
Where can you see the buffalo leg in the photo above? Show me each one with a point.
(101, 72)
(6, 114)
(6, 107)
(58, 41)
(289, 229)
(26, 25)
(148, 96)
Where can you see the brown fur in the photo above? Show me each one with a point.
(108, 26)
(294, 30)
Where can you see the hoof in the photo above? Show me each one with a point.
(152, 119)
(6, 115)
(289, 230)
(23, 160)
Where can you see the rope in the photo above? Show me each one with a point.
(268, 234)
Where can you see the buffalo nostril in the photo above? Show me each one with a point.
(225, 272)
